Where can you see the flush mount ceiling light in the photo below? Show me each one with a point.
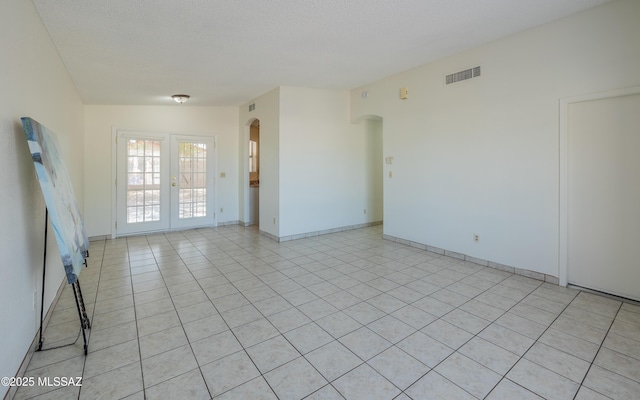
(180, 98)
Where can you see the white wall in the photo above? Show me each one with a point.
(99, 121)
(318, 171)
(326, 163)
(482, 156)
(34, 83)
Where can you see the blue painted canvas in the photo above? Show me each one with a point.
(59, 197)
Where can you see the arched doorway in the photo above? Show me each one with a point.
(376, 167)
(249, 176)
(254, 173)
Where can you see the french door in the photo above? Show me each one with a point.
(164, 182)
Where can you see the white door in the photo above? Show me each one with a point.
(191, 181)
(164, 182)
(604, 195)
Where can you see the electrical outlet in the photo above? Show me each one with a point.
(221, 210)
(274, 220)
(476, 237)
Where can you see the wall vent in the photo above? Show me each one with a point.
(252, 107)
(462, 75)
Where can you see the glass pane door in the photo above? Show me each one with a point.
(192, 181)
(163, 182)
(142, 188)
(192, 173)
(143, 180)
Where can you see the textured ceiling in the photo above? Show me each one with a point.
(228, 52)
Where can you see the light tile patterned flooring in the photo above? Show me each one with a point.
(227, 313)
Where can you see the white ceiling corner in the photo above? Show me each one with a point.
(225, 53)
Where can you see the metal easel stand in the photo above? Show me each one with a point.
(85, 323)
(82, 311)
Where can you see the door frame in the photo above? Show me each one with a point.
(114, 174)
(563, 223)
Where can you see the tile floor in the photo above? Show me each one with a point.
(227, 313)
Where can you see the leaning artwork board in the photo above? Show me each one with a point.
(59, 197)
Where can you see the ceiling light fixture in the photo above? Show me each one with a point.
(180, 98)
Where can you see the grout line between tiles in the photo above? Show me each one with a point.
(598, 351)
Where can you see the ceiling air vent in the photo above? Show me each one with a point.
(462, 75)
